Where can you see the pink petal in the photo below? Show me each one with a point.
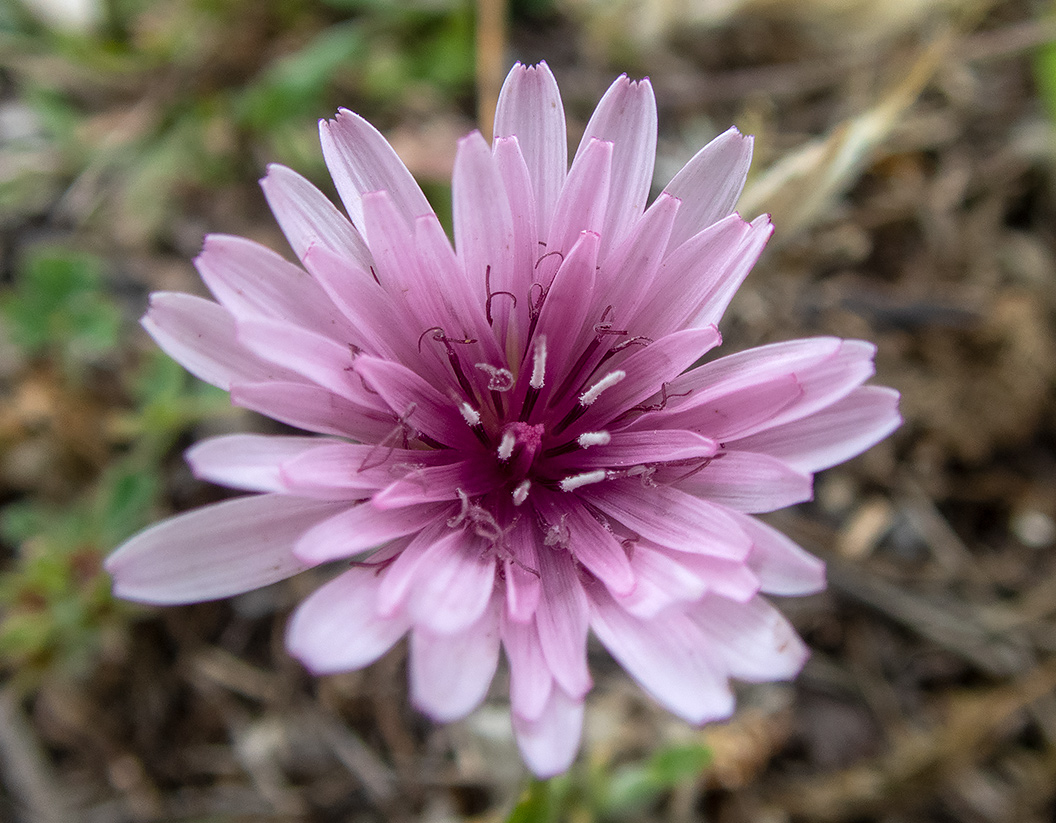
(308, 218)
(781, 566)
(712, 304)
(530, 109)
(636, 448)
(252, 281)
(729, 413)
(399, 576)
(729, 578)
(216, 551)
(483, 221)
(457, 587)
(825, 369)
(580, 208)
(689, 277)
(646, 370)
(710, 184)
(755, 641)
(316, 357)
(363, 527)
(530, 678)
(360, 160)
(668, 656)
(749, 482)
(663, 581)
(397, 266)
(247, 461)
(200, 336)
(467, 300)
(523, 586)
(563, 315)
(831, 380)
(338, 628)
(350, 471)
(312, 408)
(470, 477)
(704, 385)
(562, 620)
(549, 743)
(835, 434)
(450, 674)
(362, 301)
(589, 542)
(627, 278)
(626, 117)
(416, 402)
(670, 517)
(526, 249)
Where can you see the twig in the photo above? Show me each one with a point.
(491, 57)
(25, 768)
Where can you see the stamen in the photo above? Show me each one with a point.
(509, 440)
(493, 294)
(559, 534)
(604, 326)
(608, 381)
(535, 383)
(469, 414)
(384, 448)
(535, 307)
(664, 398)
(588, 439)
(585, 479)
(560, 257)
(520, 494)
(538, 363)
(498, 379)
(459, 518)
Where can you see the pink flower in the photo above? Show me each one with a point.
(516, 423)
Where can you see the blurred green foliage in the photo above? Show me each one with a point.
(1045, 77)
(605, 793)
(56, 609)
(56, 599)
(162, 97)
(59, 308)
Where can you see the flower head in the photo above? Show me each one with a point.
(518, 450)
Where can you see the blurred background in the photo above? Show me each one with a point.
(907, 150)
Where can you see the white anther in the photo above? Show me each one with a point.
(538, 363)
(470, 415)
(607, 382)
(577, 480)
(520, 494)
(509, 440)
(588, 439)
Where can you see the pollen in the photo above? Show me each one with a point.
(585, 479)
(607, 382)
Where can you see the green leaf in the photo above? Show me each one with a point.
(1045, 77)
(677, 763)
(535, 805)
(294, 88)
(59, 304)
(632, 788)
(127, 496)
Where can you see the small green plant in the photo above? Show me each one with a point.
(602, 793)
(58, 309)
(56, 610)
(56, 598)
